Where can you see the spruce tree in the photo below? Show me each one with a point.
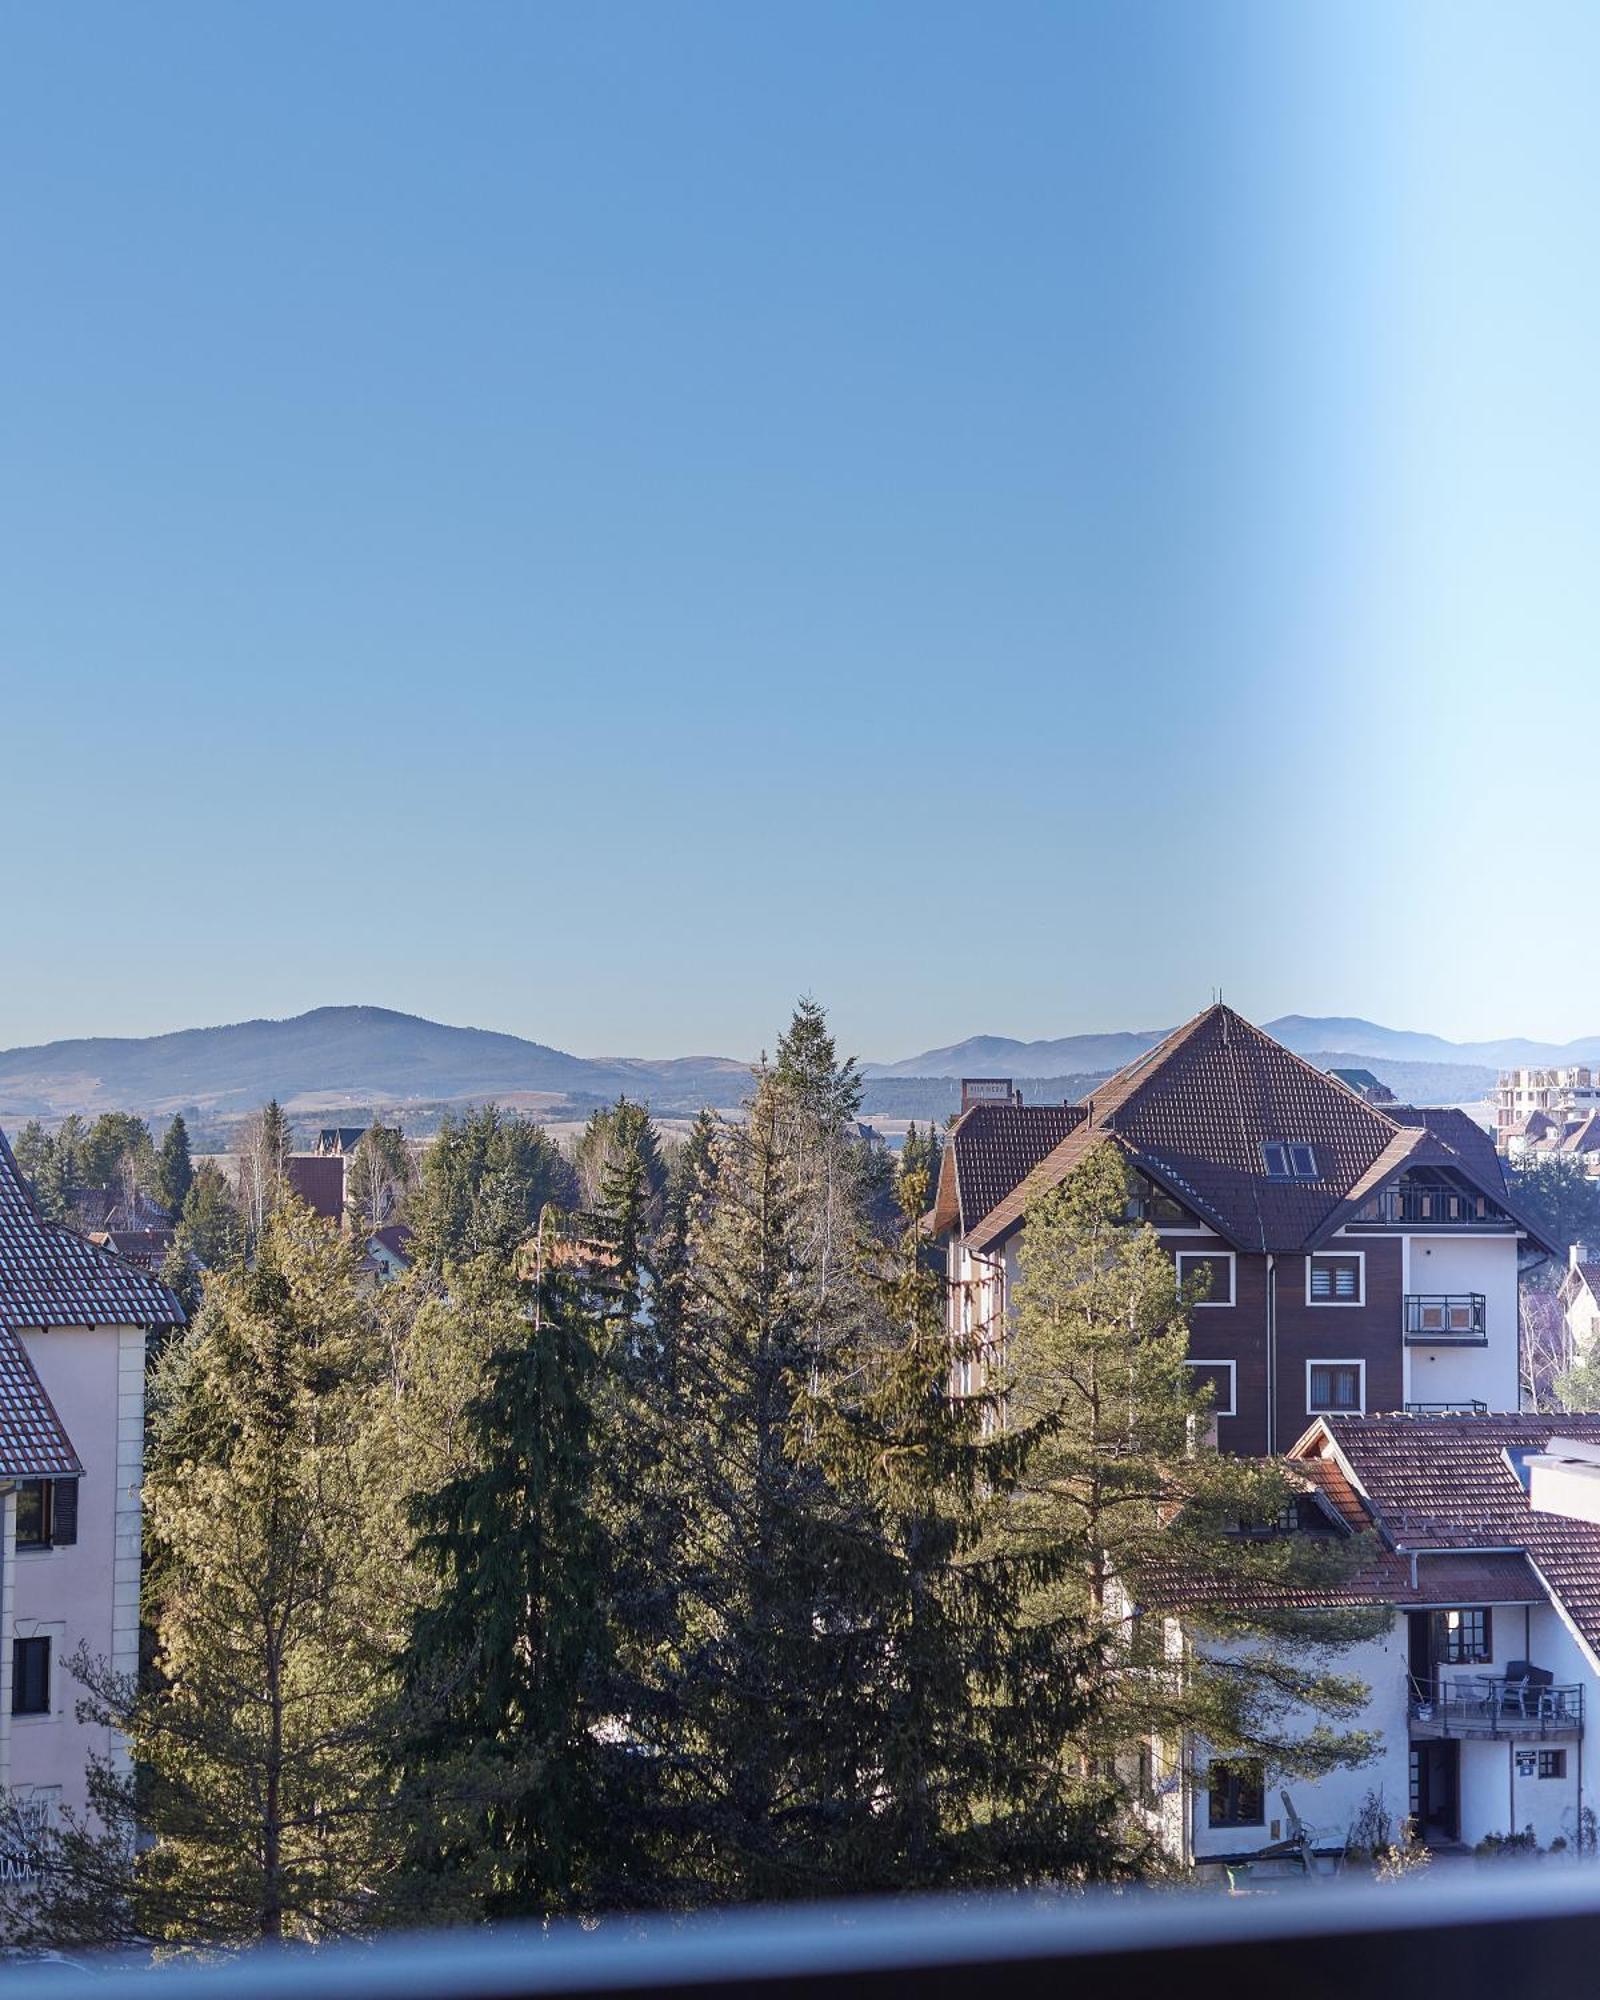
(962, 1698)
(174, 1167)
(485, 1181)
(211, 1228)
(502, 1763)
(380, 1174)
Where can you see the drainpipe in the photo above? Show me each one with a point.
(8, 1620)
(1272, 1355)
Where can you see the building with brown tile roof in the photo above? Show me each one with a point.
(1482, 1691)
(1362, 1256)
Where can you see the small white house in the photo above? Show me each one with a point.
(74, 1323)
(1483, 1688)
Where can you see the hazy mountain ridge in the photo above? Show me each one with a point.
(317, 1062)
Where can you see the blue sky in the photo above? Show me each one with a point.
(594, 519)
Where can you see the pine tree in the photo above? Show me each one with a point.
(502, 1768)
(255, 1805)
(485, 1181)
(117, 1153)
(174, 1167)
(1116, 1481)
(615, 1134)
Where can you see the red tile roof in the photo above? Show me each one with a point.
(51, 1276)
(1194, 1113)
(32, 1443)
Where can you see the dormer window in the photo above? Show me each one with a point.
(1289, 1160)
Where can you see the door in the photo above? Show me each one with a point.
(1422, 1663)
(1436, 1790)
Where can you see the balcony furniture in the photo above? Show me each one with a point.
(1446, 1319)
(1511, 1705)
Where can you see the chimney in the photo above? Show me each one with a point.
(987, 1090)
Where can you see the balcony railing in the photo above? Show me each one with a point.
(1446, 1319)
(1438, 1207)
(1470, 1408)
(1489, 1705)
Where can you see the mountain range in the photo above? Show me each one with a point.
(343, 1058)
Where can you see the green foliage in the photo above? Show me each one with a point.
(502, 1662)
(211, 1228)
(117, 1153)
(616, 1134)
(51, 1162)
(174, 1168)
(1116, 1475)
(1556, 1192)
(485, 1180)
(181, 1276)
(255, 1805)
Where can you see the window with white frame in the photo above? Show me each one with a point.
(1221, 1376)
(1213, 1269)
(1336, 1278)
(1336, 1388)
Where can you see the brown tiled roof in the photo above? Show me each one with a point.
(1584, 1137)
(990, 1149)
(1385, 1574)
(1438, 1483)
(318, 1179)
(32, 1443)
(1194, 1112)
(51, 1276)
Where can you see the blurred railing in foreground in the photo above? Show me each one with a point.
(1494, 1930)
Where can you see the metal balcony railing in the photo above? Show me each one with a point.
(1476, 1933)
(1446, 1319)
(1472, 1408)
(1468, 1704)
(1440, 1207)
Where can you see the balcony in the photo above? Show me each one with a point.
(1490, 1705)
(1446, 1319)
(1418, 1204)
(1470, 1408)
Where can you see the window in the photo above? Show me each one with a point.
(1289, 1160)
(1213, 1269)
(1220, 1374)
(47, 1513)
(33, 1514)
(1463, 1638)
(1237, 1794)
(1552, 1763)
(1336, 1387)
(30, 1677)
(1336, 1278)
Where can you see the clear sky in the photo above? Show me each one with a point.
(592, 519)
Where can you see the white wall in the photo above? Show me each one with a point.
(1328, 1805)
(88, 1593)
(1446, 1374)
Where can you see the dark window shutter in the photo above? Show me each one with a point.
(64, 1513)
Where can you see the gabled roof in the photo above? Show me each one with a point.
(32, 1443)
(1436, 1485)
(1195, 1112)
(51, 1276)
(989, 1149)
(1584, 1137)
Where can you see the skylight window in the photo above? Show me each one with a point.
(1289, 1160)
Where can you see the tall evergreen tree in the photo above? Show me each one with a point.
(264, 1144)
(255, 1805)
(174, 1167)
(503, 1767)
(961, 1703)
(1132, 1511)
(485, 1181)
(211, 1228)
(616, 1135)
(117, 1153)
